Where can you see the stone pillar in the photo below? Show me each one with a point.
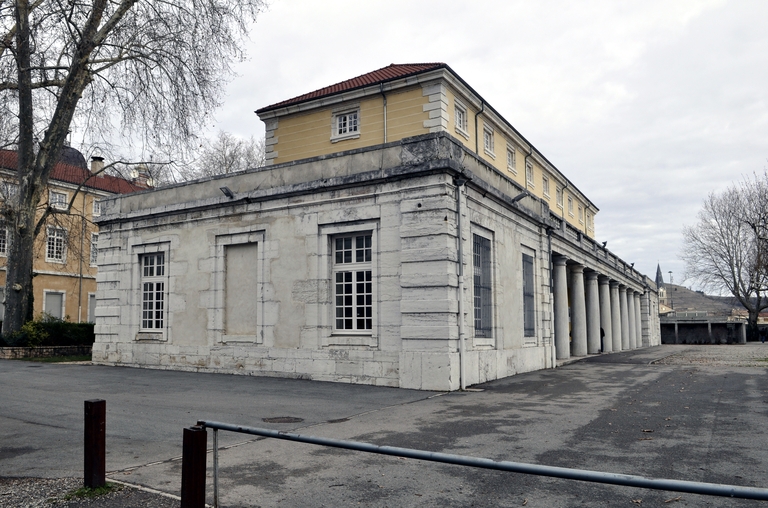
(624, 318)
(578, 312)
(615, 316)
(605, 313)
(593, 313)
(639, 321)
(560, 303)
(631, 319)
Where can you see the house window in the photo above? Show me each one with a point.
(545, 185)
(346, 125)
(56, 245)
(94, 250)
(559, 196)
(511, 160)
(3, 240)
(570, 206)
(460, 117)
(529, 316)
(96, 207)
(488, 143)
(58, 200)
(482, 295)
(9, 190)
(590, 223)
(529, 175)
(581, 215)
(91, 308)
(353, 282)
(53, 304)
(152, 291)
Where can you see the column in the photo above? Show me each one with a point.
(578, 312)
(593, 313)
(638, 320)
(615, 316)
(605, 313)
(624, 318)
(560, 290)
(631, 319)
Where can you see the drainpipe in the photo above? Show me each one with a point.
(80, 277)
(384, 97)
(477, 144)
(551, 295)
(460, 184)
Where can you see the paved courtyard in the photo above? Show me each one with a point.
(682, 412)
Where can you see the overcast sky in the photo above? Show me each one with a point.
(646, 106)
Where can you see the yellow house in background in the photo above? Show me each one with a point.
(404, 100)
(65, 257)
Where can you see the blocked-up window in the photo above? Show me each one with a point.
(152, 291)
(353, 282)
(241, 291)
(482, 286)
(53, 304)
(529, 291)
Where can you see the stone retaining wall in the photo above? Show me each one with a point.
(7, 353)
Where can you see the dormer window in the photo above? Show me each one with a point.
(346, 125)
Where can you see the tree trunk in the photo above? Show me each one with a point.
(752, 332)
(18, 286)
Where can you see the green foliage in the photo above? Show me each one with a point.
(49, 331)
(87, 492)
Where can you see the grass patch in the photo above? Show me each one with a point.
(87, 492)
(56, 359)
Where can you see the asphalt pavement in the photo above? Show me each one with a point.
(622, 413)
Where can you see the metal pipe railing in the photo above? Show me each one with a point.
(709, 489)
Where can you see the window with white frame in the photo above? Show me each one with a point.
(559, 196)
(346, 124)
(96, 207)
(590, 222)
(53, 303)
(545, 185)
(529, 292)
(56, 245)
(581, 214)
(482, 286)
(353, 282)
(511, 159)
(529, 175)
(9, 190)
(3, 239)
(58, 200)
(488, 141)
(570, 206)
(94, 250)
(152, 291)
(460, 118)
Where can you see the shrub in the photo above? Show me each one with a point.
(48, 331)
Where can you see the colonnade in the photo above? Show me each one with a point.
(599, 307)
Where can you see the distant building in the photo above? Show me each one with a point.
(404, 234)
(65, 264)
(691, 317)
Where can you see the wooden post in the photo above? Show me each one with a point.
(193, 467)
(95, 443)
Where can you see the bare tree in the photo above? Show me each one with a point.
(147, 70)
(727, 249)
(226, 154)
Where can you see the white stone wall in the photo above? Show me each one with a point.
(405, 196)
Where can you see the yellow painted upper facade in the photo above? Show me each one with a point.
(433, 100)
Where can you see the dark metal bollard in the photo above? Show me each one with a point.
(193, 467)
(94, 470)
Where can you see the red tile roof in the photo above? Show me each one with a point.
(389, 73)
(76, 175)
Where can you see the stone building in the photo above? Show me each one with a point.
(402, 235)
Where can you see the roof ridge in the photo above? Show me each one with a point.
(390, 72)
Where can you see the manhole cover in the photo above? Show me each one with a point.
(282, 419)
